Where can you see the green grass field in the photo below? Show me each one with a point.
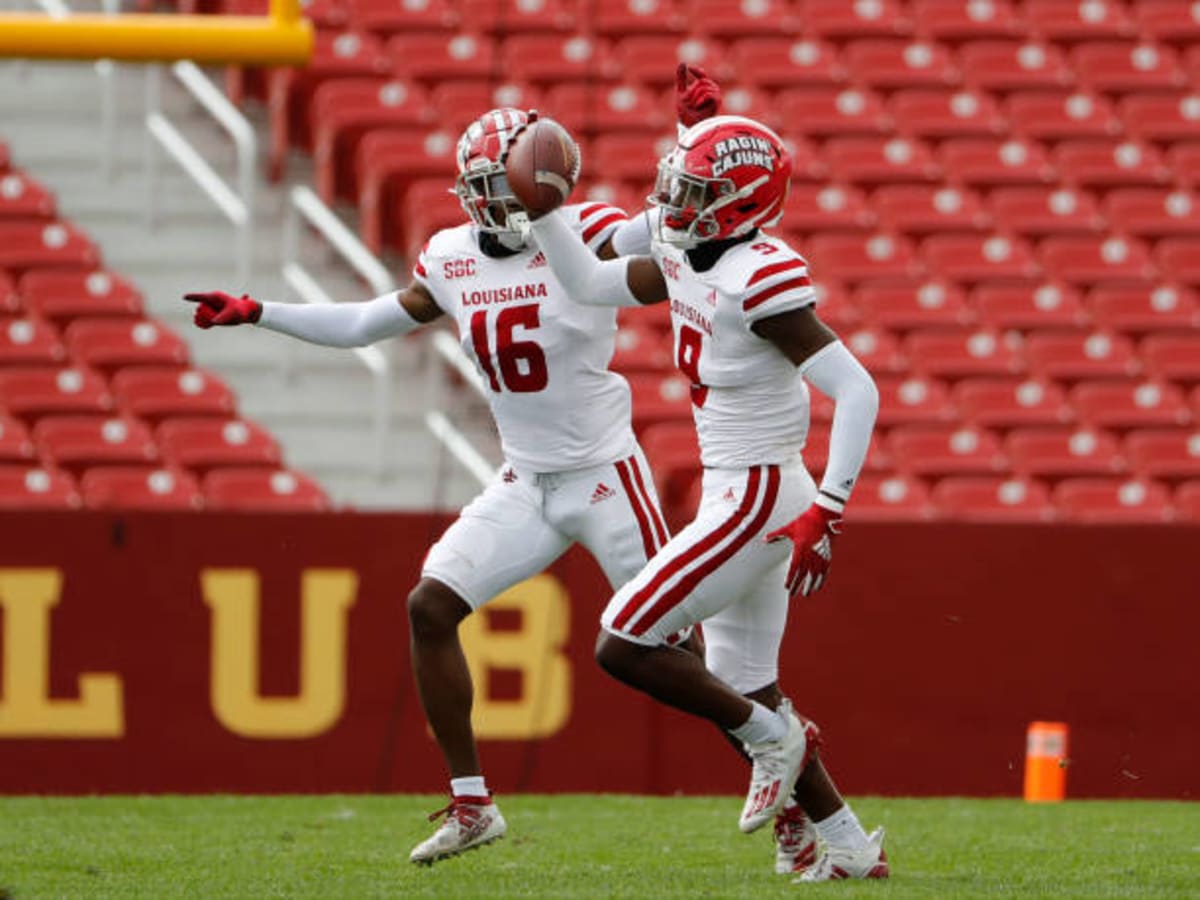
(577, 846)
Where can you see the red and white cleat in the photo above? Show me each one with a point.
(838, 863)
(795, 841)
(470, 822)
(777, 764)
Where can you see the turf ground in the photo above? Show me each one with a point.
(577, 846)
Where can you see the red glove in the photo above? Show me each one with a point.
(812, 537)
(219, 308)
(697, 97)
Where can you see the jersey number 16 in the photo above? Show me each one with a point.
(522, 364)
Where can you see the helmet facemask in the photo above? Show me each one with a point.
(690, 203)
(489, 201)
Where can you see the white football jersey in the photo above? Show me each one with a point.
(543, 358)
(749, 401)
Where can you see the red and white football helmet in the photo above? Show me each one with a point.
(727, 176)
(482, 186)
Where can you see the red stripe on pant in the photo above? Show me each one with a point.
(638, 506)
(656, 519)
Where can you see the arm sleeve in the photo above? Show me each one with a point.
(632, 237)
(340, 324)
(586, 279)
(835, 372)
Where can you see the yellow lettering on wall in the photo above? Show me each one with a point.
(326, 596)
(535, 651)
(26, 710)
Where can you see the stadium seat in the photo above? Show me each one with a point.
(1120, 67)
(1087, 260)
(1109, 163)
(108, 344)
(878, 350)
(902, 305)
(1172, 356)
(833, 112)
(839, 20)
(598, 108)
(742, 100)
(1037, 211)
(1073, 357)
(342, 112)
(10, 300)
(1184, 162)
(656, 317)
(428, 206)
(986, 162)
(922, 209)
(5, 157)
(992, 498)
(724, 20)
(1154, 212)
(1171, 454)
(75, 443)
(963, 354)
(642, 348)
(1187, 501)
(1144, 307)
(1086, 20)
(780, 62)
(1129, 404)
(23, 197)
(28, 487)
(1058, 116)
(880, 160)
(888, 64)
(651, 59)
(553, 58)
(15, 443)
(62, 295)
(30, 341)
(30, 392)
(201, 444)
(1096, 500)
(1011, 402)
(1026, 306)
(889, 498)
(674, 455)
(1162, 117)
(816, 449)
(1168, 20)
(153, 394)
(852, 258)
(629, 157)
(262, 490)
(827, 207)
(939, 450)
(618, 18)
(834, 306)
(659, 398)
(953, 22)
(388, 162)
(1004, 66)
(971, 258)
(428, 59)
(1063, 452)
(913, 400)
(390, 17)
(139, 487)
(41, 245)
(456, 104)
(500, 17)
(1179, 259)
(934, 113)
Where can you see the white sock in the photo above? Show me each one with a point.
(763, 725)
(473, 786)
(842, 829)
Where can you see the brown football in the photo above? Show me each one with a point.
(542, 166)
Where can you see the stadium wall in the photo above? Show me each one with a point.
(268, 653)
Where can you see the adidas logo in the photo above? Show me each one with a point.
(729, 496)
(711, 298)
(538, 262)
(509, 476)
(602, 492)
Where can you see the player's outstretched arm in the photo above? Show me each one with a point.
(331, 325)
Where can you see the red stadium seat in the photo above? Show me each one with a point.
(913, 401)
(901, 305)
(139, 487)
(22, 197)
(553, 58)
(1086, 20)
(1172, 454)
(5, 158)
(30, 341)
(1168, 20)
(880, 160)
(428, 206)
(1014, 66)
(629, 157)
(62, 295)
(1184, 162)
(986, 162)
(41, 245)
(1179, 259)
(1129, 404)
(656, 317)
(651, 59)
(1187, 501)
(1109, 163)
(982, 498)
(342, 112)
(26, 487)
(1063, 452)
(30, 392)
(1011, 402)
(816, 450)
(263, 490)
(1104, 66)
(15, 443)
(878, 350)
(597, 108)
(501, 17)
(921, 209)
(1111, 500)
(1029, 306)
(859, 257)
(642, 348)
(456, 104)
(967, 21)
(388, 16)
(962, 354)
(827, 207)
(839, 20)
(432, 58)
(1073, 357)
(1089, 260)
(674, 455)
(1144, 307)
(108, 344)
(834, 306)
(154, 393)
(780, 62)
(618, 18)
(724, 20)
(201, 444)
(933, 113)
(833, 111)
(1172, 356)
(10, 301)
(1162, 117)
(971, 258)
(889, 498)
(1039, 211)
(77, 442)
(659, 398)
(1057, 116)
(1154, 212)
(738, 100)
(888, 64)
(388, 163)
(937, 450)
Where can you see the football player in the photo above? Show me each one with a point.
(748, 337)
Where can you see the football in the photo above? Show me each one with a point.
(542, 166)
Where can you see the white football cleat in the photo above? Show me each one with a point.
(837, 863)
(777, 765)
(795, 841)
(470, 822)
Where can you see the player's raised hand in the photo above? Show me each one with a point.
(812, 535)
(219, 308)
(697, 96)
